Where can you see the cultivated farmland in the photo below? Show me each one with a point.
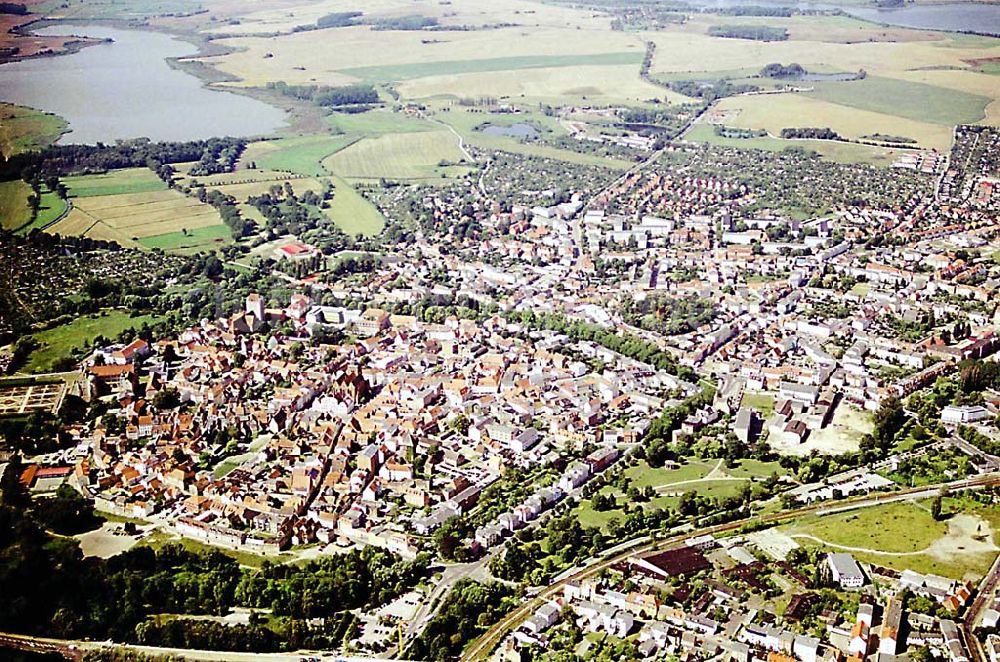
(127, 206)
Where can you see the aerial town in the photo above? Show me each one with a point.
(595, 348)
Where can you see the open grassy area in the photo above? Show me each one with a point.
(895, 527)
(642, 475)
(26, 129)
(14, 210)
(904, 535)
(352, 212)
(127, 180)
(378, 122)
(61, 341)
(301, 155)
(397, 156)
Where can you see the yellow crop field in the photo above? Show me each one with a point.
(591, 83)
(397, 156)
(774, 112)
(77, 222)
(322, 56)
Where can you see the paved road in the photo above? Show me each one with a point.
(481, 648)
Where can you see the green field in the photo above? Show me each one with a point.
(61, 341)
(839, 152)
(352, 212)
(129, 180)
(26, 129)
(377, 123)
(50, 208)
(302, 155)
(14, 211)
(915, 101)
(397, 156)
(190, 242)
(447, 67)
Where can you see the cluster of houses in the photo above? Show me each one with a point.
(281, 441)
(652, 599)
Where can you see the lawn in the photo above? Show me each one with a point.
(190, 241)
(301, 155)
(397, 156)
(352, 212)
(718, 489)
(444, 67)
(26, 129)
(128, 180)
(914, 101)
(14, 210)
(762, 402)
(755, 469)
(62, 341)
(642, 475)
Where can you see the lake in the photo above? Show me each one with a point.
(520, 130)
(954, 17)
(983, 19)
(126, 89)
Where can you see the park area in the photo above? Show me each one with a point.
(69, 342)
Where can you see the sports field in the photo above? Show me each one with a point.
(397, 156)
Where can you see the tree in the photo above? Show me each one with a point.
(936, 508)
